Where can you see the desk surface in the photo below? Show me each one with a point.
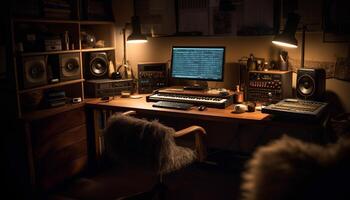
(222, 126)
(146, 107)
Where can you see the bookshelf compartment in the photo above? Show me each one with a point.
(96, 10)
(49, 9)
(46, 71)
(45, 36)
(97, 36)
(50, 98)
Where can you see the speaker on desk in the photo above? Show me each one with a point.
(69, 66)
(311, 84)
(34, 71)
(96, 66)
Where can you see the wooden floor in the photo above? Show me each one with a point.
(204, 181)
(204, 184)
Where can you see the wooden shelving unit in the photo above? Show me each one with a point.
(96, 22)
(49, 59)
(24, 28)
(43, 20)
(41, 114)
(98, 49)
(51, 86)
(48, 53)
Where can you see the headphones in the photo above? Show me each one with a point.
(117, 75)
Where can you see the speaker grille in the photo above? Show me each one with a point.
(306, 85)
(97, 66)
(70, 66)
(311, 84)
(34, 73)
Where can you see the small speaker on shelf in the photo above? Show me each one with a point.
(34, 71)
(96, 66)
(311, 84)
(69, 66)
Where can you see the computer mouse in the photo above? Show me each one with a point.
(105, 98)
(201, 108)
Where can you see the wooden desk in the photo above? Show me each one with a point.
(140, 105)
(237, 132)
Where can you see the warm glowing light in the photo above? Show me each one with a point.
(285, 44)
(136, 41)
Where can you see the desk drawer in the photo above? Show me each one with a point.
(60, 141)
(59, 147)
(49, 179)
(57, 161)
(43, 129)
(61, 158)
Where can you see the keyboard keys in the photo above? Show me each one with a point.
(207, 100)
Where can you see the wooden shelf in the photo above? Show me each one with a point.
(46, 21)
(96, 22)
(51, 86)
(39, 114)
(82, 22)
(48, 52)
(98, 49)
(68, 51)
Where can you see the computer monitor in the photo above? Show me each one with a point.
(198, 63)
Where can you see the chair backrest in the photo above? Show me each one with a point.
(148, 144)
(291, 169)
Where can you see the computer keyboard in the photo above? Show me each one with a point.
(174, 105)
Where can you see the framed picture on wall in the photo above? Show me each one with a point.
(336, 20)
(157, 17)
(226, 17)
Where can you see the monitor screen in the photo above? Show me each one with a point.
(198, 63)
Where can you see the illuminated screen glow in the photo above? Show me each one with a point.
(198, 63)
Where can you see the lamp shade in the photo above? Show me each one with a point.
(136, 36)
(287, 37)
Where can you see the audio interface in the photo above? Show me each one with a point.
(107, 87)
(269, 86)
(151, 76)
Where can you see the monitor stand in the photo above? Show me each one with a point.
(198, 85)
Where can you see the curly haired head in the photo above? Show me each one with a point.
(291, 169)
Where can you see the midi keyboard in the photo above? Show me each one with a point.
(195, 99)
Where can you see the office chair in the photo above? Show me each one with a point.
(291, 169)
(151, 146)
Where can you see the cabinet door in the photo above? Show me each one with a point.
(62, 9)
(59, 147)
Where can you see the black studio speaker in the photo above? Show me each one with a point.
(69, 66)
(96, 67)
(34, 71)
(311, 84)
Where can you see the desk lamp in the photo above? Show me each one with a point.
(134, 37)
(310, 83)
(287, 37)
